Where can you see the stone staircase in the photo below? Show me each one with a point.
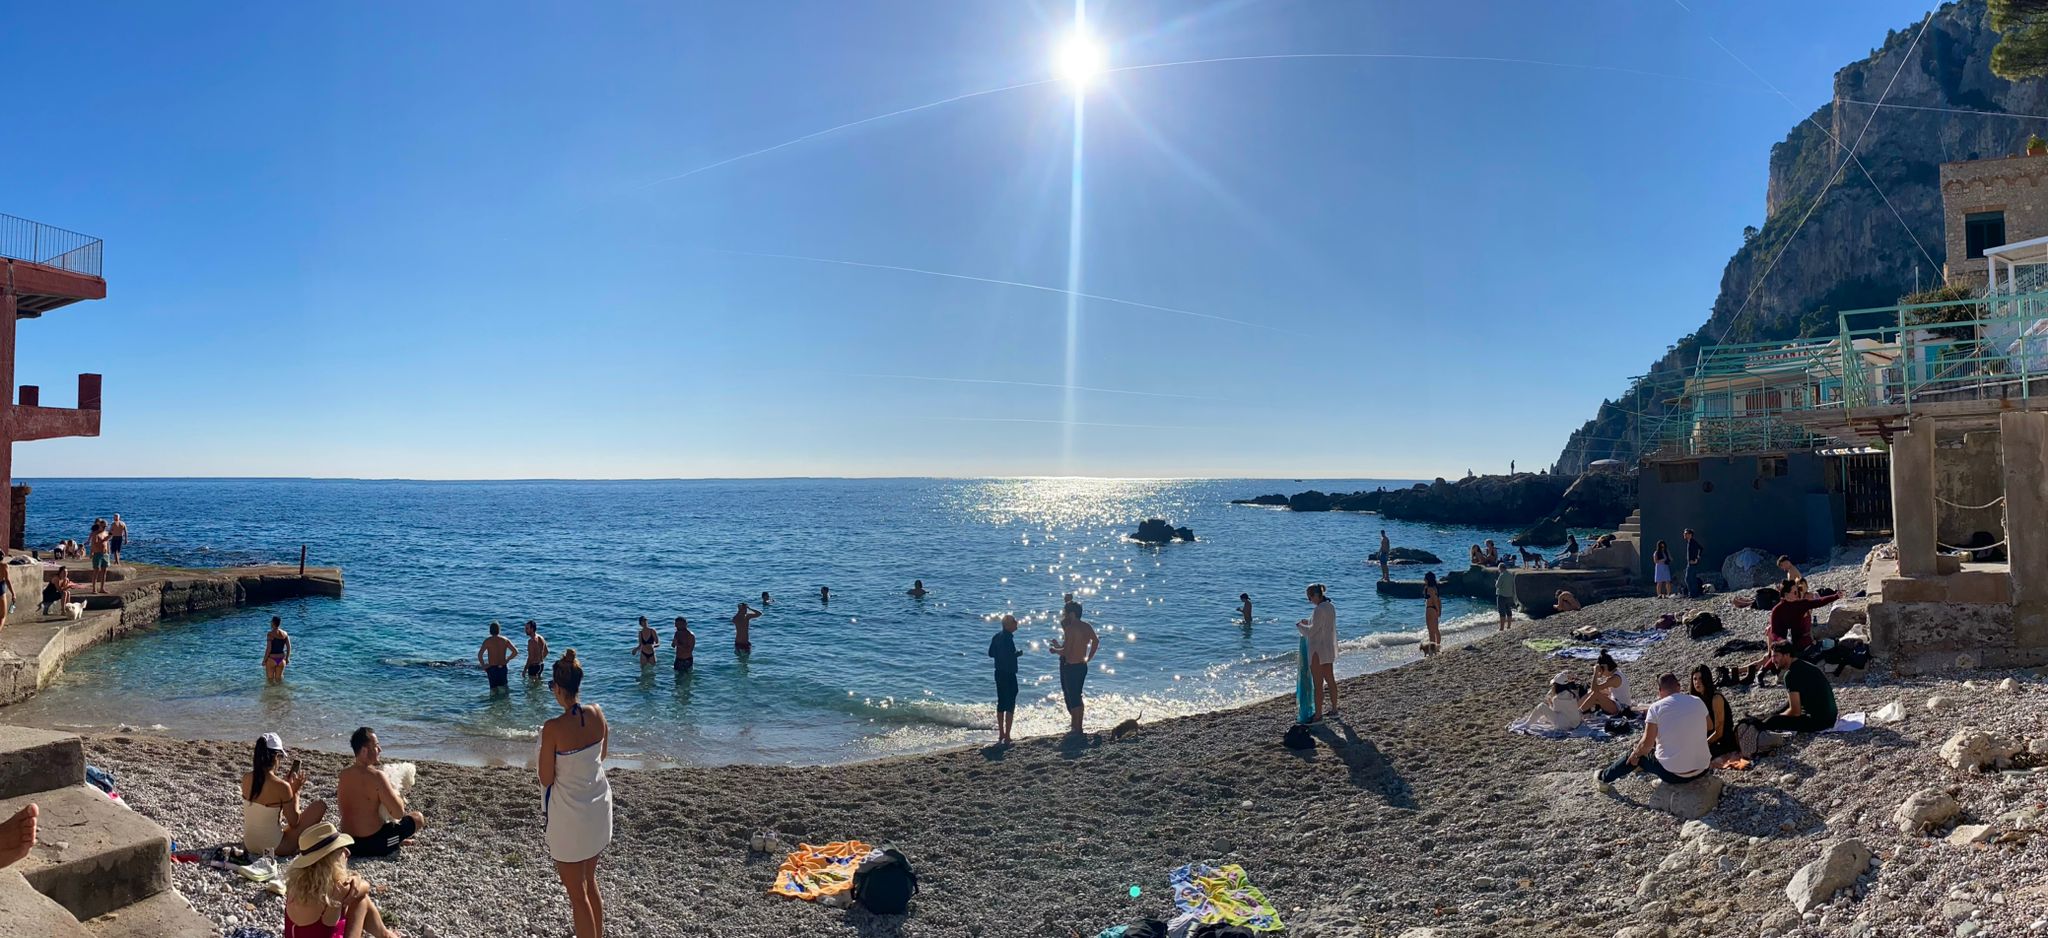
(1632, 529)
(98, 869)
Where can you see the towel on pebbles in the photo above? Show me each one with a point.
(1592, 652)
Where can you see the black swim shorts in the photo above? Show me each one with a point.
(533, 671)
(1006, 692)
(386, 840)
(685, 664)
(497, 674)
(1072, 676)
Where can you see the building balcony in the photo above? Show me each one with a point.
(47, 266)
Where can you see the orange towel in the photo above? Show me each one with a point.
(810, 873)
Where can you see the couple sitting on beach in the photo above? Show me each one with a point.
(1686, 734)
(373, 809)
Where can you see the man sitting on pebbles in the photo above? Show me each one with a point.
(1676, 728)
(367, 797)
(1809, 698)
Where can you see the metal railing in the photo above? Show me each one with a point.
(49, 246)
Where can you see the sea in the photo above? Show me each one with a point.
(871, 673)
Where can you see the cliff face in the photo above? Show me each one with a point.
(1852, 252)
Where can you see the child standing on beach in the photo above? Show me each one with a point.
(1003, 648)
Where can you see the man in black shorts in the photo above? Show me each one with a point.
(495, 657)
(1076, 647)
(363, 791)
(536, 650)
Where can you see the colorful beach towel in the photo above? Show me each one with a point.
(1207, 895)
(1544, 645)
(1592, 652)
(811, 873)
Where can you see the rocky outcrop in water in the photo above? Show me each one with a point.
(1157, 531)
(1481, 500)
(1852, 252)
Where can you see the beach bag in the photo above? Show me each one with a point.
(1765, 599)
(885, 882)
(1699, 625)
(1297, 738)
(1848, 653)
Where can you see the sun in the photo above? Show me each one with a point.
(1080, 60)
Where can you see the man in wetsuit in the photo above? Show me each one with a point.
(494, 655)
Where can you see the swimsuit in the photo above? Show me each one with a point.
(277, 646)
(684, 664)
(533, 670)
(386, 840)
(496, 674)
(1072, 676)
(317, 929)
(647, 646)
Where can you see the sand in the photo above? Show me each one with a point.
(1416, 810)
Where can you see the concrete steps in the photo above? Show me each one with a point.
(98, 868)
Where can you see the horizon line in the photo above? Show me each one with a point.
(762, 478)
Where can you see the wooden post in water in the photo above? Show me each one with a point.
(302, 569)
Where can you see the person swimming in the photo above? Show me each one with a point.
(917, 589)
(650, 641)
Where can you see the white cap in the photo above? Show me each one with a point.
(271, 742)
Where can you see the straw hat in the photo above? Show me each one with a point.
(317, 842)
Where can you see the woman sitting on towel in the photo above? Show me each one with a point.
(1610, 688)
(1559, 710)
(1720, 717)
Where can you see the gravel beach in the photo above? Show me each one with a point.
(1416, 810)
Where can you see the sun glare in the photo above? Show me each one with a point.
(1080, 60)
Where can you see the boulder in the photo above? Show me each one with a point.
(1157, 531)
(1310, 500)
(1842, 619)
(1817, 882)
(1413, 555)
(1270, 501)
(1691, 800)
(1750, 568)
(1925, 810)
(1973, 749)
(1967, 834)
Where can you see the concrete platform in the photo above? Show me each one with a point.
(164, 915)
(38, 760)
(26, 913)
(92, 856)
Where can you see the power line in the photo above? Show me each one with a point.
(1945, 110)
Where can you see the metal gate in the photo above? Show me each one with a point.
(1866, 483)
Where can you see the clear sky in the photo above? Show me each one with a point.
(446, 240)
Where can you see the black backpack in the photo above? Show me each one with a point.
(1702, 624)
(1297, 738)
(885, 882)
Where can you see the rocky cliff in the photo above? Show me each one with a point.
(1852, 252)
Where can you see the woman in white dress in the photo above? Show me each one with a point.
(576, 800)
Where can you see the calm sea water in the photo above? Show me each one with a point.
(874, 672)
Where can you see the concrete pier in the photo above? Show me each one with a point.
(34, 647)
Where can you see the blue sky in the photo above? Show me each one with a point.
(435, 240)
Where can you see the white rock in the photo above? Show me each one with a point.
(1924, 810)
(1937, 704)
(1837, 868)
(1972, 748)
(1894, 712)
(1967, 834)
(2009, 686)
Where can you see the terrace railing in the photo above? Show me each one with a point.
(37, 243)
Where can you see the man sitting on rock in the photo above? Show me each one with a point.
(1676, 728)
(367, 797)
(1809, 698)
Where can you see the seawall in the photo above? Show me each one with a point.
(34, 647)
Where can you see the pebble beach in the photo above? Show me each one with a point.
(1417, 810)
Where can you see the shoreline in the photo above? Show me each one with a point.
(1418, 809)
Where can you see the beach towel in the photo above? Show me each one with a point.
(1207, 895)
(1591, 729)
(811, 873)
(1847, 723)
(1592, 652)
(1304, 688)
(1544, 645)
(1635, 639)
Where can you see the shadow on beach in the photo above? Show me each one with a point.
(1368, 768)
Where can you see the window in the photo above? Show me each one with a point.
(1678, 472)
(1982, 230)
(1770, 467)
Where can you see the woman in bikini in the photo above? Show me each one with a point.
(277, 651)
(1432, 614)
(650, 642)
(576, 798)
(325, 899)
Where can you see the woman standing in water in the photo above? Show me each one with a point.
(1432, 614)
(576, 799)
(650, 642)
(277, 651)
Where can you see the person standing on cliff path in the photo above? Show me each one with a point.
(495, 657)
(97, 546)
(1386, 557)
(117, 536)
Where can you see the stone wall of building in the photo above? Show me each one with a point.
(1970, 475)
(1730, 503)
(2015, 185)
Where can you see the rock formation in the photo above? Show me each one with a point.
(1852, 252)
(1157, 531)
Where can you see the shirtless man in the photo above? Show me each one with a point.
(686, 646)
(495, 657)
(362, 791)
(1386, 555)
(97, 544)
(824, 594)
(917, 589)
(117, 535)
(740, 620)
(536, 650)
(1076, 648)
(1245, 609)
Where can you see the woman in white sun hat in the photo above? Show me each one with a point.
(325, 900)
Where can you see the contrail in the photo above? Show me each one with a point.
(1034, 384)
(1278, 56)
(1010, 283)
(1069, 423)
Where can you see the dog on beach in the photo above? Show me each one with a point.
(402, 776)
(75, 610)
